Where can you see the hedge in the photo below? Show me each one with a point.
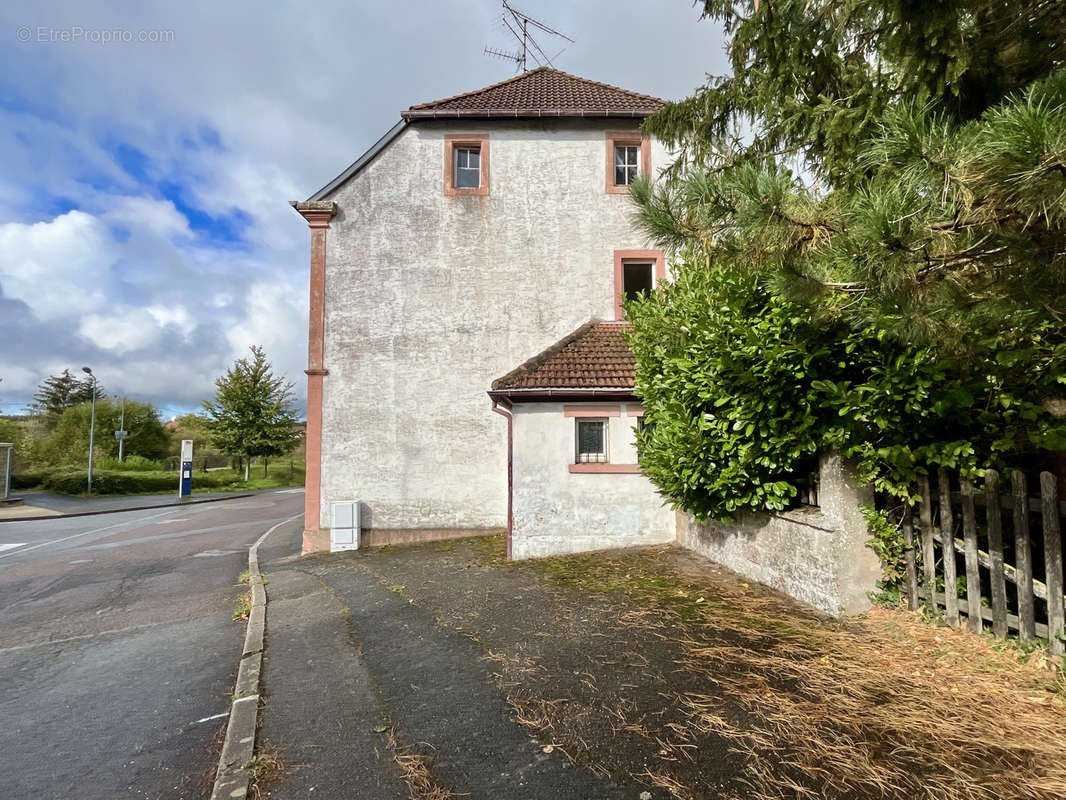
(27, 479)
(115, 482)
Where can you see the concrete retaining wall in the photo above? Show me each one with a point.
(818, 556)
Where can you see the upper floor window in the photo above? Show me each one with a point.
(467, 167)
(636, 272)
(466, 164)
(638, 277)
(628, 155)
(626, 164)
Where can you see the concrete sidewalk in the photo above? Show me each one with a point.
(347, 658)
(321, 707)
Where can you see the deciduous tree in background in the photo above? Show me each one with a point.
(252, 413)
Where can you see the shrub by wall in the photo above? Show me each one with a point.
(27, 479)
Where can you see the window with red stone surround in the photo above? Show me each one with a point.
(626, 139)
(654, 258)
(454, 142)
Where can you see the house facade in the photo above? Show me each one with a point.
(482, 229)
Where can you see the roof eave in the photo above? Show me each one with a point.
(561, 394)
(525, 113)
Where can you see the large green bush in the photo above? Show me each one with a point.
(743, 385)
(67, 444)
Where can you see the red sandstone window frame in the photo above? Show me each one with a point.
(451, 142)
(626, 139)
(621, 257)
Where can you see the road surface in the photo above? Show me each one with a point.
(117, 648)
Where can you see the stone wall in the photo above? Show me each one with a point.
(818, 556)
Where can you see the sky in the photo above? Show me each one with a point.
(150, 149)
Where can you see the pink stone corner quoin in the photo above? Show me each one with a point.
(318, 215)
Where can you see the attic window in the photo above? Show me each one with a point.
(466, 164)
(467, 167)
(628, 155)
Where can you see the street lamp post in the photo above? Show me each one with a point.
(92, 428)
(121, 427)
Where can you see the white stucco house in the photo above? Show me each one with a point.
(481, 230)
(473, 261)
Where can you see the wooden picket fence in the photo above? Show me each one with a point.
(937, 530)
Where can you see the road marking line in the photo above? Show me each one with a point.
(249, 697)
(85, 533)
(9, 545)
(213, 716)
(169, 521)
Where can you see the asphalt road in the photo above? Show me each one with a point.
(117, 648)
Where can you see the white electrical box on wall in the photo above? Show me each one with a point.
(344, 525)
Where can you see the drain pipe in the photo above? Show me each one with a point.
(508, 414)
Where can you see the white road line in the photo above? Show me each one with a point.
(213, 716)
(85, 533)
(9, 545)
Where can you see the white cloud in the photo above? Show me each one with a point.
(171, 315)
(55, 267)
(276, 318)
(125, 332)
(158, 217)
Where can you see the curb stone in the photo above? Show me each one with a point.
(231, 778)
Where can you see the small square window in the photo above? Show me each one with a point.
(626, 164)
(591, 441)
(466, 164)
(467, 167)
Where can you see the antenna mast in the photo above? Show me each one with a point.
(519, 24)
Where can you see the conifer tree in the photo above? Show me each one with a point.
(57, 393)
(932, 137)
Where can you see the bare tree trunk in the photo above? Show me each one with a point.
(247, 464)
(265, 462)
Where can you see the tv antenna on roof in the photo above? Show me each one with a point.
(519, 25)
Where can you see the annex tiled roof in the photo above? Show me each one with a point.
(541, 92)
(595, 356)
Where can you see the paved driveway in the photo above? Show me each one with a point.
(117, 651)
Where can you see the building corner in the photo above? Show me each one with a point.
(318, 215)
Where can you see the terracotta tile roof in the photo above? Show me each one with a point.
(541, 92)
(595, 356)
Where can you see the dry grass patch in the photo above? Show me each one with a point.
(417, 774)
(883, 706)
(265, 770)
